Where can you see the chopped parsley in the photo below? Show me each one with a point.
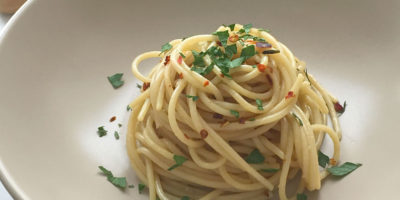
(115, 80)
(248, 51)
(301, 196)
(198, 58)
(235, 113)
(183, 56)
(223, 37)
(131, 186)
(259, 104)
(128, 108)
(247, 27)
(231, 26)
(343, 169)
(297, 119)
(185, 198)
(255, 157)
(101, 131)
(179, 160)
(166, 47)
(120, 125)
(138, 86)
(116, 135)
(231, 50)
(141, 187)
(305, 71)
(323, 159)
(117, 181)
(270, 170)
(194, 98)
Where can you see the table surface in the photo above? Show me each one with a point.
(3, 192)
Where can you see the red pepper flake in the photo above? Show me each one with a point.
(219, 43)
(242, 120)
(166, 60)
(222, 75)
(180, 75)
(290, 94)
(339, 108)
(261, 67)
(332, 161)
(218, 116)
(113, 118)
(180, 60)
(233, 38)
(186, 136)
(206, 83)
(269, 79)
(203, 134)
(145, 86)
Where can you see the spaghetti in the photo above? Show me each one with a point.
(234, 113)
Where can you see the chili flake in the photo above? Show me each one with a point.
(166, 60)
(339, 108)
(219, 43)
(290, 95)
(180, 75)
(186, 136)
(113, 118)
(261, 67)
(233, 38)
(180, 60)
(203, 134)
(206, 83)
(332, 161)
(145, 86)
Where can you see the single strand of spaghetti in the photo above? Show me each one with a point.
(243, 195)
(160, 97)
(144, 110)
(238, 135)
(138, 60)
(204, 164)
(159, 189)
(150, 178)
(212, 195)
(272, 147)
(285, 166)
(284, 137)
(236, 184)
(172, 119)
(182, 189)
(155, 87)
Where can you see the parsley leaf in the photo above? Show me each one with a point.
(141, 187)
(270, 170)
(223, 37)
(247, 27)
(301, 196)
(101, 131)
(115, 80)
(231, 50)
(179, 160)
(183, 56)
(298, 119)
(255, 157)
(248, 51)
(203, 70)
(232, 26)
(235, 113)
(194, 98)
(138, 86)
(323, 159)
(259, 104)
(237, 62)
(343, 169)
(166, 47)
(117, 181)
(185, 198)
(198, 59)
(120, 125)
(116, 135)
(128, 108)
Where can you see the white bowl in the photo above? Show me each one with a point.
(55, 57)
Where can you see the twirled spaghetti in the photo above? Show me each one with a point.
(214, 104)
